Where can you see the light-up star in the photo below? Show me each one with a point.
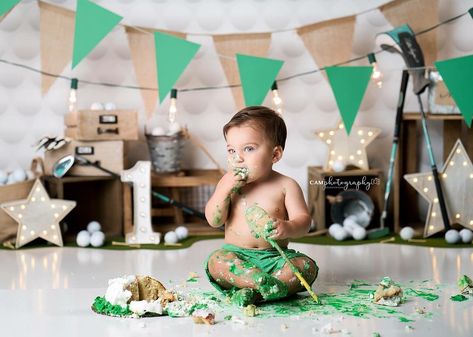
(348, 149)
(456, 178)
(38, 216)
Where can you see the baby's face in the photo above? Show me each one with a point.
(247, 147)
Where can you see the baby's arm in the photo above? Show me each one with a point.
(298, 223)
(217, 208)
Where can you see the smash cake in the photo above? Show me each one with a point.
(133, 296)
(388, 293)
(137, 296)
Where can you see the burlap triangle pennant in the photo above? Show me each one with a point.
(329, 42)
(230, 45)
(56, 37)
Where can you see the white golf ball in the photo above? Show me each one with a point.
(158, 131)
(466, 235)
(338, 166)
(94, 226)
(97, 239)
(341, 234)
(363, 219)
(170, 237)
(333, 229)
(96, 106)
(110, 106)
(359, 233)
(407, 233)
(83, 238)
(452, 236)
(350, 224)
(19, 174)
(181, 232)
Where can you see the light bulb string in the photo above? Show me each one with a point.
(229, 86)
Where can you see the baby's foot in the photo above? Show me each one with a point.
(270, 287)
(244, 297)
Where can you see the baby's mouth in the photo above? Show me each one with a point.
(242, 171)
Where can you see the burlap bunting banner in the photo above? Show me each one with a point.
(419, 15)
(329, 42)
(57, 39)
(230, 45)
(141, 43)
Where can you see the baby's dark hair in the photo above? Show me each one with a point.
(267, 119)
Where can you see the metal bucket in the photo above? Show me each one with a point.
(166, 152)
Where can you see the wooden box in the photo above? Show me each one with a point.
(328, 183)
(104, 125)
(108, 154)
(17, 191)
(98, 198)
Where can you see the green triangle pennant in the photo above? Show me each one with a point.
(257, 74)
(6, 5)
(172, 57)
(349, 85)
(93, 23)
(457, 73)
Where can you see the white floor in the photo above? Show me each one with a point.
(48, 291)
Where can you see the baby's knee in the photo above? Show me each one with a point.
(307, 267)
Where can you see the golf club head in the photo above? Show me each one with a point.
(401, 40)
(63, 165)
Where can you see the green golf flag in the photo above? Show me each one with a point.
(349, 85)
(457, 73)
(92, 24)
(257, 74)
(172, 57)
(6, 5)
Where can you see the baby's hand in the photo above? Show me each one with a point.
(236, 179)
(279, 231)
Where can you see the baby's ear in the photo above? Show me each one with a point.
(277, 153)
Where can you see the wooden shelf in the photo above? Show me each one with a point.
(411, 116)
(187, 178)
(404, 197)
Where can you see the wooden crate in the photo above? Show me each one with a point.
(324, 183)
(98, 198)
(405, 198)
(109, 154)
(94, 125)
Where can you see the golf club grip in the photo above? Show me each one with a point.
(400, 104)
(443, 206)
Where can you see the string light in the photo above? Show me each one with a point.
(173, 106)
(376, 75)
(276, 98)
(174, 127)
(471, 12)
